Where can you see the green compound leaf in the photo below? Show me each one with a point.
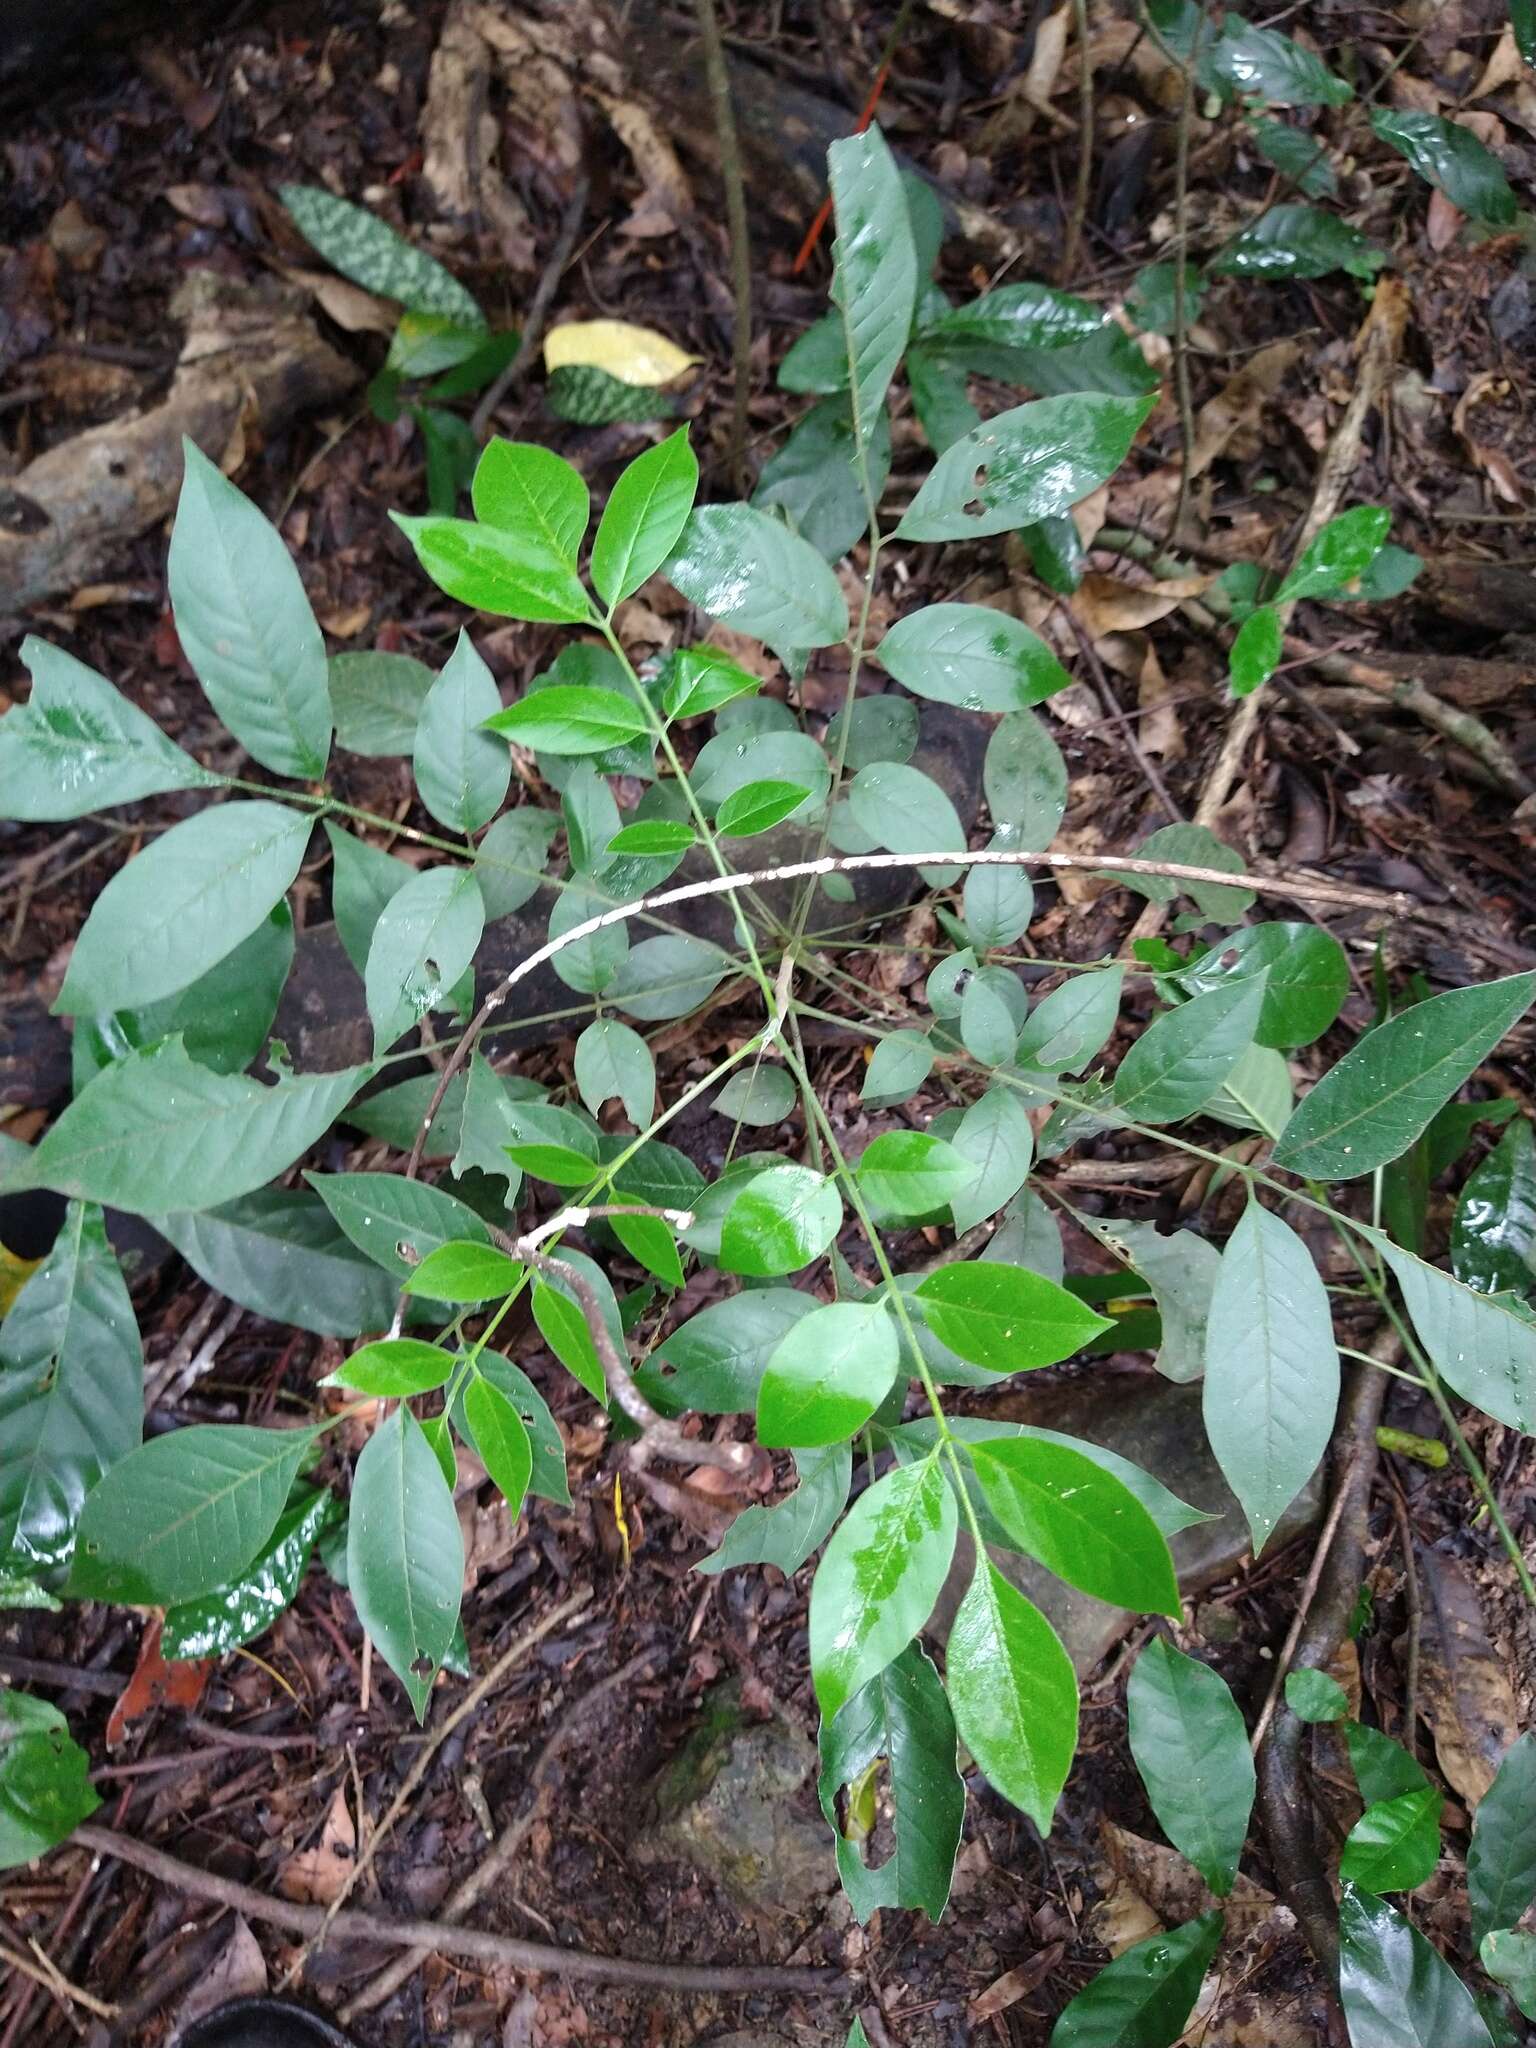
(1450, 157)
(1144, 1998)
(405, 1554)
(1024, 465)
(786, 1535)
(183, 905)
(569, 719)
(71, 1390)
(1380, 1097)
(1014, 1693)
(154, 1130)
(1005, 1318)
(646, 511)
(1078, 1520)
(878, 1579)
(76, 746)
(366, 249)
(1493, 1236)
(1183, 1056)
(465, 1272)
(246, 626)
(973, 656)
(44, 1788)
(1271, 1368)
(1396, 1991)
(782, 1220)
(828, 1376)
(514, 575)
(751, 573)
(185, 1513)
(1395, 1844)
(1191, 1749)
(1501, 1862)
(903, 1716)
(702, 679)
(462, 773)
(1307, 978)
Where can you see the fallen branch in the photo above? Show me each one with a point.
(536, 1957)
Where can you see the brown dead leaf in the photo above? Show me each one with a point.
(316, 1876)
(1487, 387)
(1173, 1888)
(1111, 604)
(1015, 1984)
(239, 1970)
(1045, 63)
(1504, 67)
(1443, 222)
(353, 309)
(74, 238)
(1467, 1698)
(154, 1682)
(346, 621)
(1161, 732)
(665, 181)
(203, 204)
(1239, 403)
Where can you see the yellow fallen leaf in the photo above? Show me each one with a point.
(635, 355)
(14, 1275)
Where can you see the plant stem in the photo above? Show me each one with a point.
(719, 80)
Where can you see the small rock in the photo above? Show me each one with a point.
(727, 1804)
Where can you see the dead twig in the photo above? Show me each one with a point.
(47, 1973)
(719, 80)
(537, 316)
(477, 1943)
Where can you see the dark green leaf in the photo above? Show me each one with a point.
(1501, 1862)
(1493, 1236)
(646, 512)
(759, 806)
(1297, 154)
(900, 1062)
(589, 396)
(1314, 1696)
(44, 1790)
(701, 679)
(1078, 1521)
(245, 624)
(760, 1095)
(546, 1445)
(1262, 64)
(1510, 1959)
(985, 331)
(1383, 1768)
(1184, 1055)
(902, 1715)
(991, 1012)
(363, 880)
(248, 1606)
(1297, 241)
(816, 479)
(185, 1513)
(1396, 1991)
(405, 1554)
(1024, 465)
(1257, 650)
(422, 947)
(1271, 1368)
(1056, 553)
(1196, 846)
(1376, 1101)
(395, 1221)
(1144, 1998)
(461, 771)
(878, 1580)
(817, 361)
(279, 1253)
(367, 249)
(786, 1535)
(939, 398)
(76, 746)
(1014, 1693)
(1450, 157)
(1306, 983)
(514, 575)
(751, 573)
(973, 656)
(828, 1375)
(1395, 1844)
(509, 861)
(1005, 1317)
(781, 1221)
(154, 1129)
(1191, 1749)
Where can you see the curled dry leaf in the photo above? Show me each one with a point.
(1239, 402)
(319, 1874)
(1467, 1697)
(1487, 387)
(1112, 604)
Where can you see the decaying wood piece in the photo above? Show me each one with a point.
(252, 357)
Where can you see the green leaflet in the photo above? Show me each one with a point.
(1195, 846)
(77, 746)
(715, 1361)
(1191, 1749)
(782, 1220)
(405, 1555)
(468, 1272)
(183, 904)
(996, 1138)
(547, 1476)
(1025, 780)
(394, 1368)
(1501, 1862)
(1395, 1844)
(759, 1095)
(1313, 1696)
(1450, 157)
(246, 626)
(1510, 1959)
(509, 574)
(422, 946)
(376, 700)
(667, 977)
(1144, 1998)
(570, 719)
(1396, 1991)
(874, 272)
(828, 1375)
(1297, 241)
(364, 879)
(526, 490)
(1066, 1028)
(1262, 64)
(1257, 650)
(155, 1130)
(646, 511)
(1307, 978)
(509, 861)
(383, 1212)
(71, 1390)
(786, 1534)
(1005, 1317)
(1078, 1520)
(612, 1060)
(971, 655)
(878, 1579)
(1014, 1693)
(1184, 1055)
(909, 1173)
(900, 1062)
(1181, 1271)
(462, 772)
(817, 479)
(902, 1715)
(44, 1789)
(1477, 1344)
(278, 1252)
(501, 1438)
(184, 1514)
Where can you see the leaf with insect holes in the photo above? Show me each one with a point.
(1005, 1318)
(646, 511)
(612, 1060)
(1191, 1748)
(45, 1791)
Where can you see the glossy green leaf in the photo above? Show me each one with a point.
(1292, 240)
(529, 492)
(1396, 1991)
(501, 1439)
(77, 746)
(701, 679)
(909, 1173)
(405, 1554)
(987, 330)
(828, 1376)
(785, 1535)
(737, 761)
(899, 1064)
(395, 1367)
(751, 573)
(246, 1608)
(155, 1129)
(1493, 1235)
(715, 1361)
(1191, 1748)
(1024, 465)
(546, 1446)
(376, 700)
(422, 945)
(462, 773)
(782, 1220)
(1078, 1520)
(1262, 64)
(1271, 1368)
(902, 1716)
(570, 720)
(465, 1272)
(591, 818)
(613, 1060)
(1143, 1999)
(1313, 1696)
(1005, 1317)
(394, 1221)
(1257, 650)
(563, 1326)
(279, 1253)
(874, 269)
(757, 1095)
(816, 479)
(1307, 978)
(513, 575)
(997, 1139)
(1501, 1861)
(1450, 157)
(1299, 154)
(1025, 780)
(184, 1513)
(878, 1580)
(583, 393)
(817, 360)
(368, 250)
(1338, 555)
(1014, 1693)
(1510, 1959)
(973, 656)
(1395, 1844)
(71, 1390)
(938, 388)
(646, 511)
(245, 624)
(1370, 1107)
(1184, 1055)
(1383, 1768)
(183, 904)
(759, 806)
(44, 1788)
